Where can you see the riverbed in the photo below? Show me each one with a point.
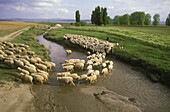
(123, 80)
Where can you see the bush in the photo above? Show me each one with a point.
(71, 23)
(81, 23)
(78, 24)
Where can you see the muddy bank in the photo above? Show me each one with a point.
(14, 97)
(113, 101)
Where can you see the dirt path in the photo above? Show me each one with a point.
(13, 35)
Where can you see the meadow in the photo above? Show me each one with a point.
(146, 48)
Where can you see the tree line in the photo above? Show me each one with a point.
(100, 16)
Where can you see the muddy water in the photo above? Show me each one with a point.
(123, 80)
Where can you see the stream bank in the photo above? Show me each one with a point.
(135, 89)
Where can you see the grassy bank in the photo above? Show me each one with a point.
(143, 49)
(29, 38)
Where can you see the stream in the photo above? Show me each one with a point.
(123, 80)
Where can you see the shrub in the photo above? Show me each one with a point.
(78, 24)
(83, 23)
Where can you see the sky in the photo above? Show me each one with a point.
(65, 9)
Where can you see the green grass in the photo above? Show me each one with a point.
(29, 38)
(142, 48)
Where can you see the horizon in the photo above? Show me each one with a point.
(65, 9)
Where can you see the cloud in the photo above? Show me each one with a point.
(110, 7)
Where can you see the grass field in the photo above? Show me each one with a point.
(29, 38)
(145, 47)
(7, 27)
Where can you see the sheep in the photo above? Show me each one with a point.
(104, 65)
(73, 75)
(92, 78)
(79, 65)
(30, 65)
(23, 71)
(111, 62)
(49, 66)
(26, 77)
(66, 80)
(19, 63)
(82, 61)
(41, 67)
(24, 61)
(69, 68)
(52, 64)
(82, 77)
(90, 67)
(9, 52)
(89, 62)
(1, 57)
(110, 67)
(90, 72)
(67, 64)
(40, 71)
(33, 60)
(104, 71)
(68, 51)
(38, 78)
(63, 73)
(88, 53)
(30, 53)
(72, 60)
(38, 59)
(96, 72)
(30, 69)
(9, 62)
(44, 75)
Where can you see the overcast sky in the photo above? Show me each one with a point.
(65, 9)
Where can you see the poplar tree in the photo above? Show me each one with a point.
(156, 18)
(77, 16)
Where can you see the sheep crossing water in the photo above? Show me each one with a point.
(32, 68)
(93, 67)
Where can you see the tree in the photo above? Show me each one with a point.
(93, 17)
(98, 18)
(116, 20)
(109, 20)
(125, 19)
(168, 20)
(121, 20)
(147, 19)
(77, 16)
(137, 18)
(156, 18)
(104, 16)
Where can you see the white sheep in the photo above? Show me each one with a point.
(104, 65)
(90, 72)
(104, 71)
(38, 78)
(23, 71)
(92, 78)
(44, 75)
(66, 80)
(82, 77)
(90, 67)
(96, 72)
(26, 77)
(19, 63)
(69, 68)
(30, 69)
(63, 73)
(41, 67)
(68, 51)
(79, 65)
(110, 67)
